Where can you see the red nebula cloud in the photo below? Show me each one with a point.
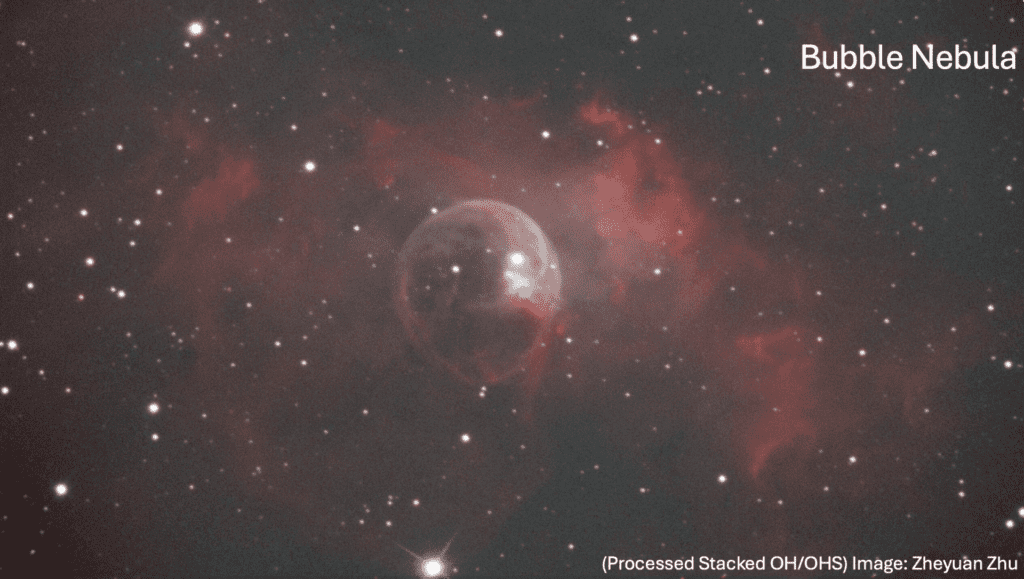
(640, 194)
(783, 372)
(615, 197)
(784, 379)
(635, 236)
(213, 198)
(636, 196)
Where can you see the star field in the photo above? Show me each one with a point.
(789, 309)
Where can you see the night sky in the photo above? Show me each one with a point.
(789, 319)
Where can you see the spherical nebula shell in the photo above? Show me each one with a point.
(478, 283)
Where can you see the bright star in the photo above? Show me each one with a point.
(432, 567)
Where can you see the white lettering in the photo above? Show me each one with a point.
(928, 61)
(1009, 61)
(814, 55)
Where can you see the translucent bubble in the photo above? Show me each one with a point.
(478, 284)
